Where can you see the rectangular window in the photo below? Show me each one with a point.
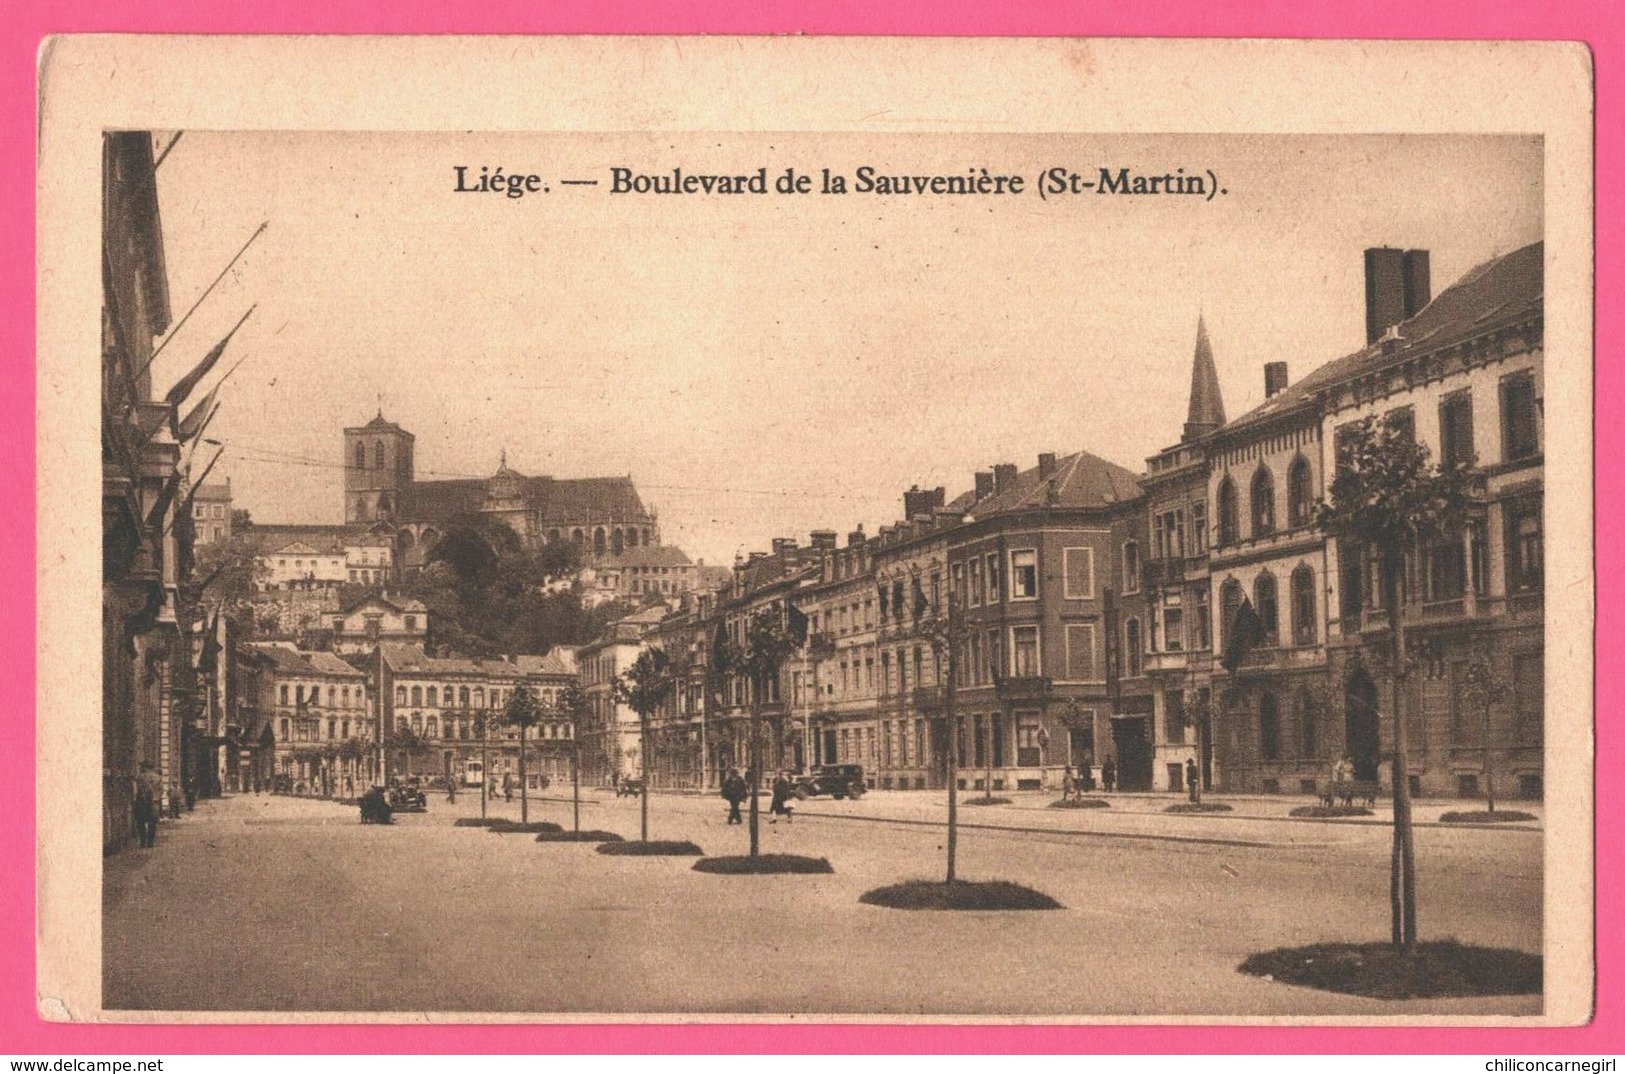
(977, 672)
(1524, 551)
(1519, 437)
(1402, 420)
(976, 582)
(1024, 651)
(1198, 527)
(1456, 429)
(1024, 574)
(994, 589)
(1078, 564)
(956, 584)
(1201, 621)
(1082, 663)
(1131, 567)
(1447, 570)
(1173, 626)
(1029, 740)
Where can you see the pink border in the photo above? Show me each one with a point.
(21, 1032)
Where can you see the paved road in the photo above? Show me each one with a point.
(259, 903)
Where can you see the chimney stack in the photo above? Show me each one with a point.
(1397, 286)
(1046, 465)
(823, 540)
(984, 484)
(919, 503)
(1274, 378)
(783, 544)
(1004, 476)
(856, 538)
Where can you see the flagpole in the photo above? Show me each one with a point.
(179, 324)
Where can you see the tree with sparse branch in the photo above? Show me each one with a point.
(643, 687)
(524, 711)
(767, 643)
(1388, 500)
(946, 630)
(573, 703)
(409, 743)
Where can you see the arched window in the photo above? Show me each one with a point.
(417, 695)
(1304, 630)
(1266, 604)
(462, 696)
(407, 540)
(599, 541)
(1229, 602)
(1229, 525)
(479, 697)
(377, 454)
(1269, 728)
(433, 699)
(579, 538)
(618, 541)
(1308, 725)
(1300, 493)
(430, 536)
(1263, 502)
(431, 727)
(360, 455)
(631, 538)
(400, 695)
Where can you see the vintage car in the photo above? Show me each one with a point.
(835, 780)
(408, 797)
(630, 785)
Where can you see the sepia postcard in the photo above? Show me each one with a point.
(708, 529)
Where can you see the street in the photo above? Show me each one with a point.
(258, 903)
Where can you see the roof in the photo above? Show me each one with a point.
(298, 548)
(395, 605)
(380, 425)
(1080, 480)
(1207, 405)
(1491, 294)
(212, 490)
(272, 537)
(557, 500)
(330, 664)
(412, 658)
(650, 556)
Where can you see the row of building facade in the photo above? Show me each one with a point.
(1094, 601)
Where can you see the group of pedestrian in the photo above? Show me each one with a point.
(735, 789)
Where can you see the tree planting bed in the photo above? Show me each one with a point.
(958, 895)
(1441, 969)
(653, 848)
(763, 864)
(589, 836)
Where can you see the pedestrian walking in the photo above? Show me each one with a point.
(451, 790)
(174, 801)
(507, 788)
(1108, 774)
(145, 808)
(1069, 785)
(733, 792)
(1193, 781)
(781, 798)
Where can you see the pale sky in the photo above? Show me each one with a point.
(767, 365)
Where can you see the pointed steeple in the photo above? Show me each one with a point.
(1206, 413)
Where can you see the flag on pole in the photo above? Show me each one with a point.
(1246, 631)
(183, 387)
(190, 426)
(206, 662)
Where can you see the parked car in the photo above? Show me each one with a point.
(835, 780)
(408, 797)
(631, 785)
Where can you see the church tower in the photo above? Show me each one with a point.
(1206, 414)
(377, 470)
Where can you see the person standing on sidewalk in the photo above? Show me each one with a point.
(733, 791)
(1193, 781)
(781, 798)
(146, 805)
(1108, 774)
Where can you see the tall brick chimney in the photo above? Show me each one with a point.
(984, 484)
(1396, 288)
(1004, 476)
(1274, 378)
(1046, 465)
(823, 540)
(919, 503)
(856, 538)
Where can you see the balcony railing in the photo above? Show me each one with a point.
(1157, 572)
(928, 698)
(1284, 657)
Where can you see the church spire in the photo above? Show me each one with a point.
(1206, 412)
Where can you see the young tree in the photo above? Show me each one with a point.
(643, 688)
(767, 643)
(523, 711)
(947, 630)
(573, 704)
(1389, 500)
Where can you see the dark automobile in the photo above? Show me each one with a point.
(835, 780)
(408, 798)
(631, 785)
